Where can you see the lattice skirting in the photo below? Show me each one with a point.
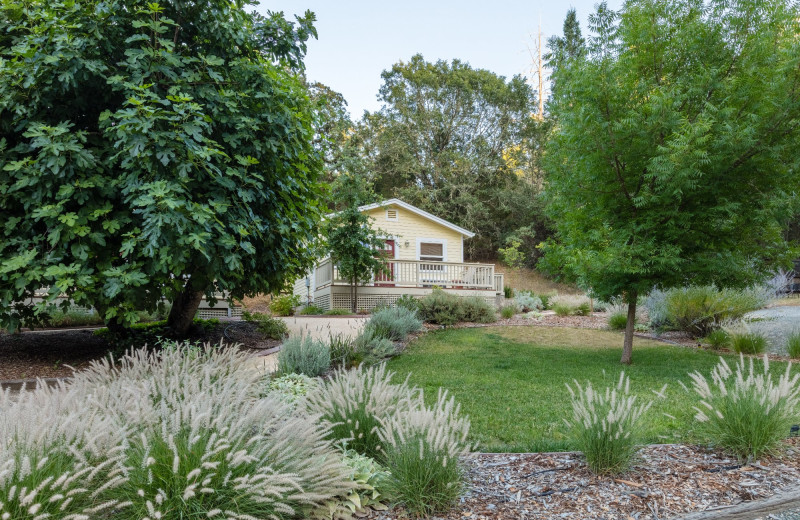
(221, 312)
(365, 301)
(323, 301)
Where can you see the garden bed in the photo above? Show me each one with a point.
(666, 481)
(54, 353)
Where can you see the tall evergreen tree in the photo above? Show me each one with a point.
(568, 47)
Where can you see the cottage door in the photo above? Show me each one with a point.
(388, 274)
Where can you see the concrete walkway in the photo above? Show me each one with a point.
(318, 327)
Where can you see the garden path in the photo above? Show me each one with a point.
(318, 327)
(775, 323)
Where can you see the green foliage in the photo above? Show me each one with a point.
(747, 412)
(459, 142)
(651, 184)
(338, 312)
(606, 424)
(700, 309)
(152, 150)
(583, 309)
(290, 388)
(312, 310)
(352, 240)
(521, 248)
(476, 309)
(440, 307)
(563, 309)
(151, 334)
(508, 292)
(371, 347)
(394, 323)
(304, 355)
(718, 339)
(65, 318)
(369, 478)
(748, 342)
(343, 351)
(793, 344)
(618, 321)
(271, 327)
(508, 311)
(448, 309)
(284, 304)
(407, 301)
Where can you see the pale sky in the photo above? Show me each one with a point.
(360, 39)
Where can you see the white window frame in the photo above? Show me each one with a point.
(442, 241)
(396, 215)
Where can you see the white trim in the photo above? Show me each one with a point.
(422, 213)
(442, 241)
(396, 216)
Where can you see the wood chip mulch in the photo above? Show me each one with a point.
(667, 480)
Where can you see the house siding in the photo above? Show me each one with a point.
(409, 227)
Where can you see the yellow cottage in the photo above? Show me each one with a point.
(423, 251)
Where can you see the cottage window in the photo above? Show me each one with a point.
(431, 252)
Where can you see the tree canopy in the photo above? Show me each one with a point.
(676, 146)
(456, 141)
(149, 151)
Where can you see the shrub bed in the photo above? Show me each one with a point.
(448, 309)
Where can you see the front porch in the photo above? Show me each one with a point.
(412, 277)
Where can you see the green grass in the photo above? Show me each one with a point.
(511, 381)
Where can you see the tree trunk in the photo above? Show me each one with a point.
(184, 308)
(627, 348)
(353, 296)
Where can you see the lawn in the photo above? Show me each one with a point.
(511, 380)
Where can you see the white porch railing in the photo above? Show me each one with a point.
(416, 273)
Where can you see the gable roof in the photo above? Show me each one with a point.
(421, 213)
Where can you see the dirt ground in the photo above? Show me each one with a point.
(54, 353)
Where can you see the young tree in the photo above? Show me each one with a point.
(149, 151)
(353, 244)
(675, 146)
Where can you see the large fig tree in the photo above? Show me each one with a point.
(149, 152)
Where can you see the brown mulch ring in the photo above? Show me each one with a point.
(51, 353)
(667, 480)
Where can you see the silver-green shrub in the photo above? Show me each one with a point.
(371, 347)
(394, 323)
(526, 301)
(747, 412)
(304, 355)
(605, 425)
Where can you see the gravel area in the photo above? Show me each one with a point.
(666, 481)
(776, 323)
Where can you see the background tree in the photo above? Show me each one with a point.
(455, 141)
(353, 243)
(675, 147)
(152, 151)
